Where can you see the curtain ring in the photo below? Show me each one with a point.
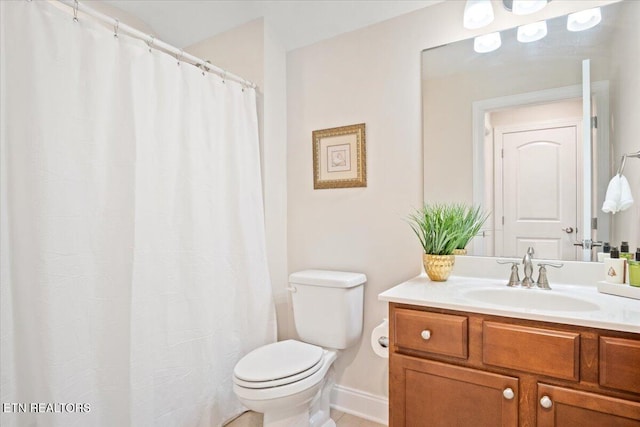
(179, 56)
(150, 42)
(115, 29)
(75, 10)
(205, 67)
(224, 76)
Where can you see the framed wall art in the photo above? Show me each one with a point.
(339, 157)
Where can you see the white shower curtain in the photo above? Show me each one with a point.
(133, 262)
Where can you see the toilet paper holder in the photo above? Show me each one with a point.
(380, 341)
(384, 342)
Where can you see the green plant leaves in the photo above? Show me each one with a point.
(441, 228)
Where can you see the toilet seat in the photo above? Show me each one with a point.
(278, 364)
(252, 396)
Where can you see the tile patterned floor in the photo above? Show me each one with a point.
(253, 419)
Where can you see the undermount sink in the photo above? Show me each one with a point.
(530, 299)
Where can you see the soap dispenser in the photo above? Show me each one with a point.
(614, 267)
(624, 251)
(634, 270)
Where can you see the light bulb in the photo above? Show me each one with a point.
(584, 20)
(532, 32)
(487, 43)
(477, 14)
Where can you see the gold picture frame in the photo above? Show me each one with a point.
(339, 157)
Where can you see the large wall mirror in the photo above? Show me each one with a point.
(511, 130)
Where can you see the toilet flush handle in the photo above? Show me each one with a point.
(292, 289)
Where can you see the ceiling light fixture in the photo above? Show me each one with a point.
(487, 43)
(532, 32)
(526, 7)
(584, 20)
(477, 14)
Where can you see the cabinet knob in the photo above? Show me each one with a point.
(508, 393)
(546, 402)
(426, 334)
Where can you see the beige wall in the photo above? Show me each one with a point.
(275, 175)
(355, 78)
(371, 76)
(240, 51)
(625, 124)
(561, 110)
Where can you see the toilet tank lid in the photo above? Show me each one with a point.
(328, 278)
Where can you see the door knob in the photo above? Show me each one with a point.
(546, 402)
(508, 393)
(568, 230)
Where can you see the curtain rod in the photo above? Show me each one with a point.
(154, 42)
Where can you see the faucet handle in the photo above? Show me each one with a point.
(514, 279)
(543, 282)
(550, 264)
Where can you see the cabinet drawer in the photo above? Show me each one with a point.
(620, 364)
(443, 334)
(536, 350)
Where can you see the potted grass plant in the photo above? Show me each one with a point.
(473, 218)
(441, 229)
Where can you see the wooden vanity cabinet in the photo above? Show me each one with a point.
(450, 368)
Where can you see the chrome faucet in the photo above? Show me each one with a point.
(543, 282)
(528, 282)
(514, 279)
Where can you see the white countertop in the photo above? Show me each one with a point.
(470, 294)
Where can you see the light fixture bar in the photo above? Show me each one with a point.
(526, 7)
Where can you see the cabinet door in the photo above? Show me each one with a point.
(562, 407)
(424, 393)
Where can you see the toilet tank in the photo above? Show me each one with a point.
(328, 306)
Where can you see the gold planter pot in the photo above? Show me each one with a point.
(459, 251)
(438, 267)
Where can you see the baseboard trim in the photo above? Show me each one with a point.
(361, 404)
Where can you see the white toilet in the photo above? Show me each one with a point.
(290, 381)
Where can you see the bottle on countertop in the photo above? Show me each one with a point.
(606, 252)
(624, 251)
(614, 268)
(634, 270)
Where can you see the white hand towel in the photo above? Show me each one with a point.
(612, 198)
(626, 199)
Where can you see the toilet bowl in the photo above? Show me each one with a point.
(287, 381)
(290, 381)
